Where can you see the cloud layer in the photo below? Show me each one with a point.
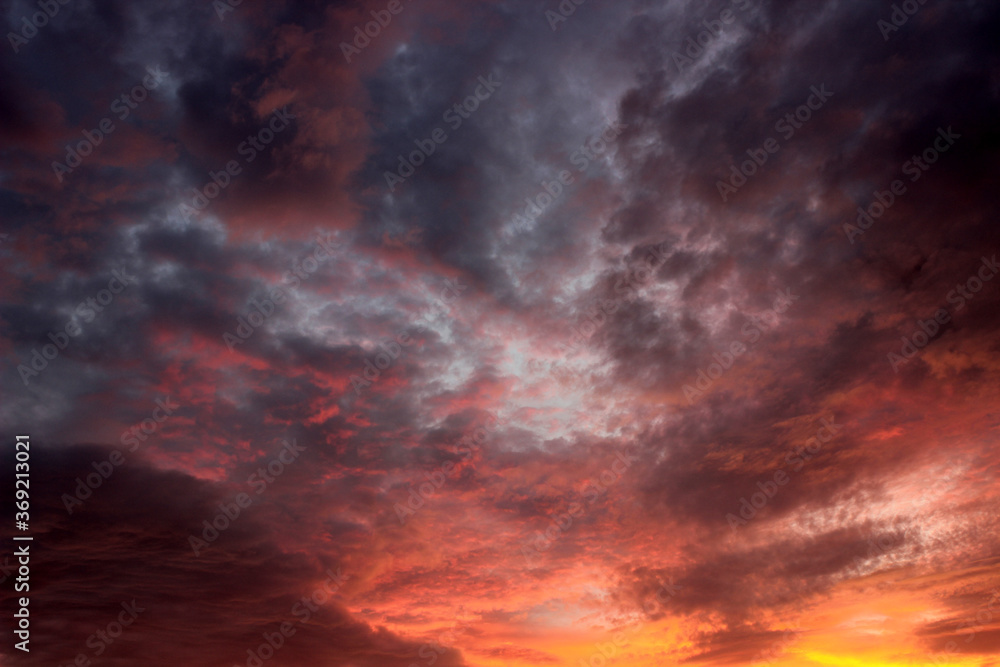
(561, 314)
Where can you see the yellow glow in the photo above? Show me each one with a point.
(838, 661)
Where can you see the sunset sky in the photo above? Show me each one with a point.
(401, 333)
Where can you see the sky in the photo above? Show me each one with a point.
(401, 333)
